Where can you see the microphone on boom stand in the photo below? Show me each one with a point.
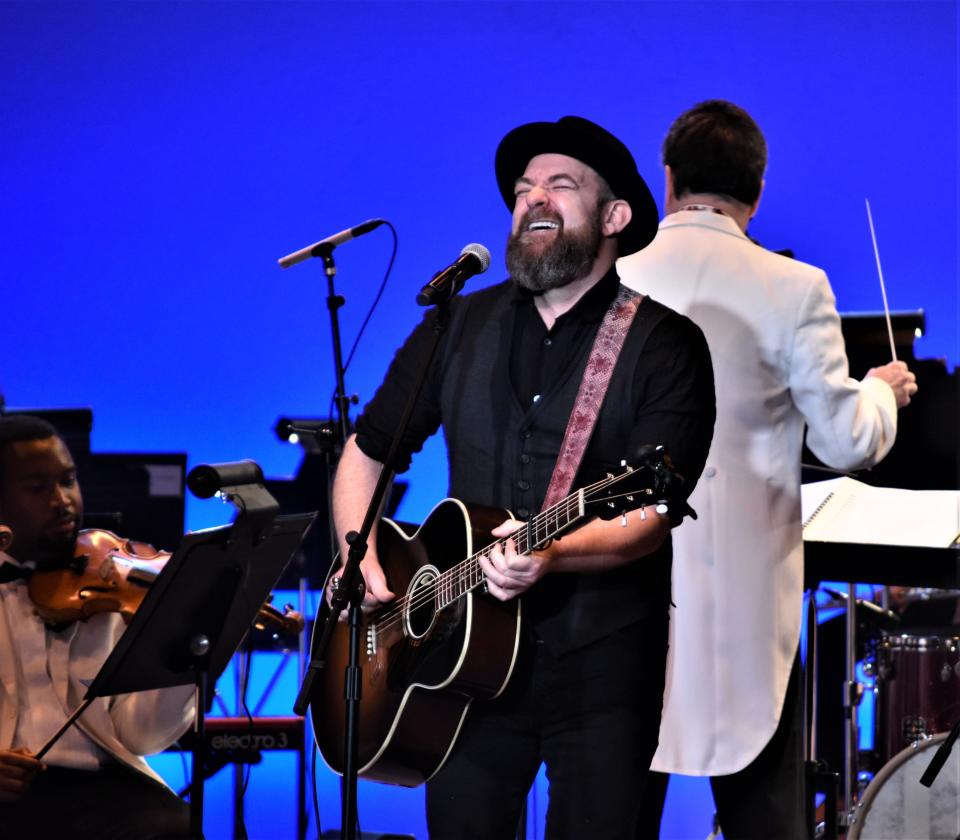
(474, 259)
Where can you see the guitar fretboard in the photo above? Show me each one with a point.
(467, 575)
(626, 491)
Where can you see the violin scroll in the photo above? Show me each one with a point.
(287, 623)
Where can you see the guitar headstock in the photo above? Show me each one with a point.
(652, 482)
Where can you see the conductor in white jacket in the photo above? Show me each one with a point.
(732, 702)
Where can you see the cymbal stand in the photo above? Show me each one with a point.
(852, 691)
(819, 777)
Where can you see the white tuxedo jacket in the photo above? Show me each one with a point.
(779, 362)
(128, 726)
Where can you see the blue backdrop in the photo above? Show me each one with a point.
(158, 157)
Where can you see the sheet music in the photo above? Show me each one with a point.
(847, 510)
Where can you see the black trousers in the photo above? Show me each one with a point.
(592, 716)
(767, 798)
(114, 803)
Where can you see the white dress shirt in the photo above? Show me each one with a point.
(42, 712)
(44, 677)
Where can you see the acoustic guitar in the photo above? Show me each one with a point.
(444, 642)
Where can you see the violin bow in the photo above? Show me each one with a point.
(883, 288)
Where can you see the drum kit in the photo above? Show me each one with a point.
(916, 676)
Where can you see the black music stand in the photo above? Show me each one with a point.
(194, 618)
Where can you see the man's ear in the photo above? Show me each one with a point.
(6, 537)
(756, 204)
(671, 203)
(616, 216)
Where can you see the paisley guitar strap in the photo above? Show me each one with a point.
(593, 387)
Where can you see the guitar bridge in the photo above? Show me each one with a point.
(371, 639)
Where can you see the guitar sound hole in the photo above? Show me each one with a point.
(421, 605)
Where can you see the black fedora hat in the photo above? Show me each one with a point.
(586, 141)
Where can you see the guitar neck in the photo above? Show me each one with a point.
(545, 526)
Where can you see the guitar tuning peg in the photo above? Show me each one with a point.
(610, 475)
(623, 520)
(643, 513)
(630, 497)
(623, 462)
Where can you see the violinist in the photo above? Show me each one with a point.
(94, 782)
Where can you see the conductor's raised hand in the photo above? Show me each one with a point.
(902, 380)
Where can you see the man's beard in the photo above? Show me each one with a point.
(569, 257)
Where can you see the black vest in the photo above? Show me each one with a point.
(503, 454)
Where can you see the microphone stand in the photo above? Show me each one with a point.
(332, 437)
(350, 594)
(334, 302)
(341, 430)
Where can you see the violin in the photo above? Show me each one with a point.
(111, 574)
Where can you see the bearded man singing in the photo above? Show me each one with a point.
(585, 694)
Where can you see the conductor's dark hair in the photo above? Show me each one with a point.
(15, 428)
(716, 148)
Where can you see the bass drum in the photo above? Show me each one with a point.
(895, 806)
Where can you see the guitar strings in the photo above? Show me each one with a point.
(469, 568)
(464, 569)
(448, 580)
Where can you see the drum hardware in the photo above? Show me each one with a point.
(922, 594)
(896, 804)
(822, 779)
(918, 690)
(851, 698)
(917, 693)
(892, 660)
(940, 757)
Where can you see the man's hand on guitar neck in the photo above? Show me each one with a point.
(510, 574)
(597, 546)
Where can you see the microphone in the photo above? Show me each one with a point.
(329, 243)
(473, 259)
